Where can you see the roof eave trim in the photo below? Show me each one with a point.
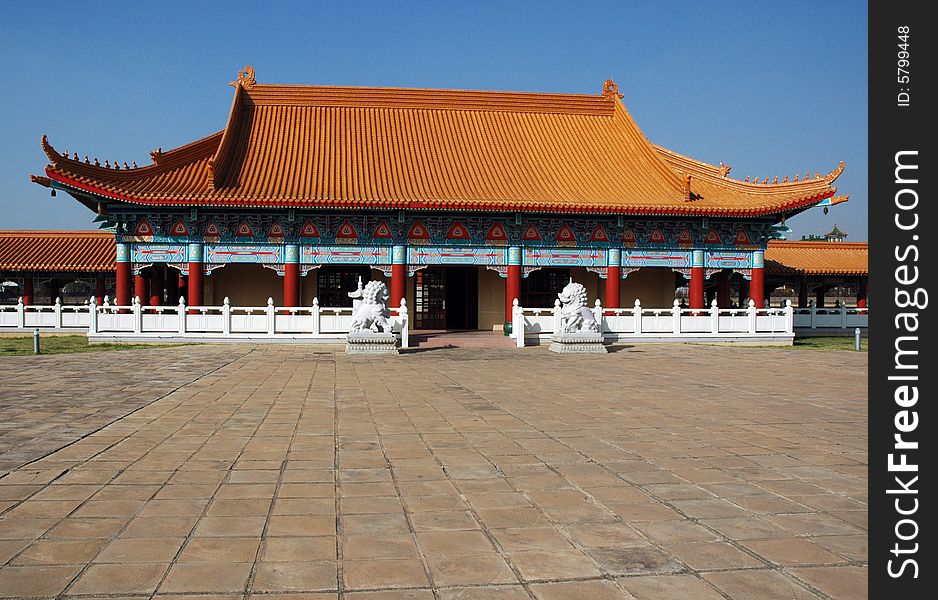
(690, 211)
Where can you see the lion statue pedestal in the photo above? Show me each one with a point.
(370, 332)
(579, 332)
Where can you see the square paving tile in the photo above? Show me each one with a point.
(215, 468)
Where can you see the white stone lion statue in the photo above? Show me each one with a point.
(372, 310)
(575, 315)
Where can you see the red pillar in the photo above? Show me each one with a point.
(697, 285)
(861, 295)
(613, 274)
(156, 285)
(194, 283)
(291, 284)
(29, 290)
(803, 294)
(723, 289)
(99, 291)
(291, 275)
(141, 288)
(757, 285)
(124, 275)
(512, 284)
(398, 274)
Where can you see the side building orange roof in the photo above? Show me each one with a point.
(393, 148)
(793, 258)
(57, 251)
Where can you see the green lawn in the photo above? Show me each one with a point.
(831, 343)
(61, 344)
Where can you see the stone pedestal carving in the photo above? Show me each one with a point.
(577, 343)
(579, 331)
(369, 314)
(369, 342)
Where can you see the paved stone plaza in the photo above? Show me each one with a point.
(289, 472)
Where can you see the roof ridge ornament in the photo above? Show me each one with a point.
(724, 170)
(156, 155)
(245, 78)
(611, 90)
(51, 152)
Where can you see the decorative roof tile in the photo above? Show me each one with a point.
(356, 147)
(78, 251)
(784, 257)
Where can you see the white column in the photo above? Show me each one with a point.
(317, 326)
(637, 317)
(226, 317)
(270, 316)
(405, 324)
(676, 314)
(714, 317)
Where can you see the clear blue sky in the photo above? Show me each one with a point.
(771, 88)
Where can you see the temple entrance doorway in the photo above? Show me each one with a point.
(446, 298)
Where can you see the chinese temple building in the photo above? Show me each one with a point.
(461, 200)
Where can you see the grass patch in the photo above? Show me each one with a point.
(63, 344)
(832, 343)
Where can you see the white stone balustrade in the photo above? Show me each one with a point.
(231, 323)
(51, 317)
(676, 323)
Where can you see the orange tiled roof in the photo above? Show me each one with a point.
(316, 146)
(57, 251)
(784, 257)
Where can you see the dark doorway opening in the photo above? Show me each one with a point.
(447, 298)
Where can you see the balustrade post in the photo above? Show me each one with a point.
(752, 315)
(226, 317)
(57, 313)
(315, 313)
(812, 310)
(517, 323)
(556, 314)
(714, 317)
(676, 315)
(93, 315)
(843, 315)
(181, 313)
(270, 316)
(405, 324)
(789, 317)
(138, 315)
(637, 317)
(20, 313)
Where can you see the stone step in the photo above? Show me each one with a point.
(460, 339)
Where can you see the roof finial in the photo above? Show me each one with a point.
(245, 78)
(156, 155)
(724, 169)
(611, 90)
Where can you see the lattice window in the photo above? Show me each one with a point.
(335, 283)
(541, 287)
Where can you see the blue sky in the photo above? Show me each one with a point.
(770, 88)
